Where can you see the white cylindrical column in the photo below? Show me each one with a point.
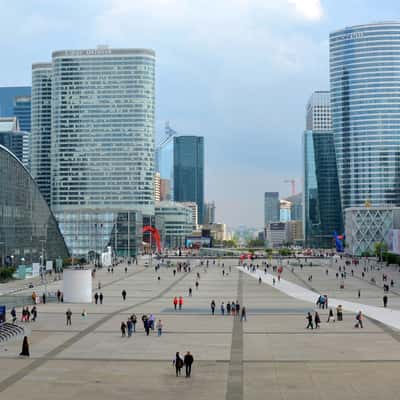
(77, 285)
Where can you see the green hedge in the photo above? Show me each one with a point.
(6, 273)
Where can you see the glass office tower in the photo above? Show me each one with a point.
(102, 158)
(365, 87)
(189, 171)
(22, 110)
(40, 142)
(28, 229)
(322, 210)
(7, 98)
(271, 207)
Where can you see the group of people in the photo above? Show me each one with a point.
(178, 302)
(185, 361)
(314, 322)
(149, 324)
(26, 314)
(98, 297)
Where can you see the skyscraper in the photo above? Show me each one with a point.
(22, 110)
(7, 98)
(189, 171)
(102, 145)
(209, 213)
(364, 64)
(271, 207)
(322, 211)
(40, 140)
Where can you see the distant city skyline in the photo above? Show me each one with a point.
(240, 75)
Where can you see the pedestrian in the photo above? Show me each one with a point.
(123, 295)
(180, 301)
(44, 298)
(243, 315)
(359, 293)
(273, 281)
(34, 313)
(310, 321)
(123, 329)
(25, 347)
(159, 327)
(129, 327)
(101, 298)
(175, 302)
(317, 320)
(96, 298)
(330, 316)
(84, 314)
(385, 301)
(134, 320)
(212, 307)
(13, 313)
(190, 292)
(259, 280)
(197, 285)
(178, 362)
(222, 308)
(58, 295)
(69, 317)
(359, 319)
(228, 308)
(147, 326)
(339, 313)
(237, 309)
(188, 361)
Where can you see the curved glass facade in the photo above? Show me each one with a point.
(28, 229)
(103, 130)
(365, 100)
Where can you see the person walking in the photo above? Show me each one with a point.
(178, 362)
(243, 316)
(237, 307)
(175, 302)
(197, 285)
(25, 347)
(339, 313)
(310, 321)
(190, 292)
(228, 308)
(146, 324)
(330, 316)
(212, 307)
(159, 327)
(180, 302)
(317, 320)
(385, 301)
(123, 295)
(222, 308)
(101, 298)
(34, 313)
(129, 326)
(96, 298)
(69, 317)
(134, 320)
(13, 313)
(123, 329)
(58, 295)
(188, 361)
(359, 319)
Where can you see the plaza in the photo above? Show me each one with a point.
(271, 355)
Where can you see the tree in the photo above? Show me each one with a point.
(284, 251)
(379, 249)
(255, 243)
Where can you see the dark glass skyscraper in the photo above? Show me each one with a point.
(271, 207)
(189, 171)
(22, 110)
(322, 210)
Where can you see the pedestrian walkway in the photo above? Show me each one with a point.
(386, 316)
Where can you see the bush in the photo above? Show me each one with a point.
(6, 273)
(285, 251)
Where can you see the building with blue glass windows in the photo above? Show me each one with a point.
(22, 110)
(189, 171)
(8, 95)
(322, 209)
(365, 87)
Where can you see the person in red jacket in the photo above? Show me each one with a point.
(175, 302)
(180, 302)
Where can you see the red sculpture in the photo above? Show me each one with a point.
(156, 235)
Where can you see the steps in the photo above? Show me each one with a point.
(10, 331)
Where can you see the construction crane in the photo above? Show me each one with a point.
(293, 185)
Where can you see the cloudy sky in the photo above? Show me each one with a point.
(238, 72)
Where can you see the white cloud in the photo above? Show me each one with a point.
(310, 9)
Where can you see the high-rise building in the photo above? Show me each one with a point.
(102, 145)
(271, 207)
(195, 212)
(189, 171)
(322, 211)
(40, 139)
(13, 138)
(209, 213)
(7, 98)
(165, 190)
(296, 209)
(157, 187)
(364, 62)
(22, 110)
(285, 211)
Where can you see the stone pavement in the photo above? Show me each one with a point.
(270, 356)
